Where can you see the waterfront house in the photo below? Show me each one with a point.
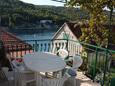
(13, 44)
(70, 31)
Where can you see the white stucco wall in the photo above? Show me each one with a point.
(73, 47)
(67, 31)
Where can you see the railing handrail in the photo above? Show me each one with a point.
(94, 46)
(81, 42)
(97, 57)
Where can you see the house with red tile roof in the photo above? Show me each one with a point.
(13, 43)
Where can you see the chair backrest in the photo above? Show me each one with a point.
(5, 70)
(14, 64)
(50, 53)
(8, 56)
(77, 62)
(3, 77)
(53, 81)
(62, 53)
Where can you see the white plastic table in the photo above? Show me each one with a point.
(43, 62)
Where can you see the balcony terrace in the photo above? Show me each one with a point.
(96, 60)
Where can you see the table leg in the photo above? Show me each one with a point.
(38, 79)
(46, 74)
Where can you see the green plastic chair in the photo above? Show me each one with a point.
(112, 82)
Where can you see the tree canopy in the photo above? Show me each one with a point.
(96, 31)
(17, 13)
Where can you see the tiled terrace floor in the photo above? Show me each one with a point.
(82, 80)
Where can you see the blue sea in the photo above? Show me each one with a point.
(34, 35)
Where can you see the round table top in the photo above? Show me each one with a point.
(44, 62)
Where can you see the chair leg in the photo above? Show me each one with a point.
(15, 79)
(8, 83)
(74, 81)
(23, 83)
(15, 82)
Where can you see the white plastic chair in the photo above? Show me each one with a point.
(72, 75)
(26, 77)
(8, 74)
(71, 71)
(5, 69)
(3, 78)
(62, 53)
(23, 75)
(14, 71)
(53, 81)
(77, 62)
(50, 53)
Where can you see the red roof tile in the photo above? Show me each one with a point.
(12, 42)
(76, 28)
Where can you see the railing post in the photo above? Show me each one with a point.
(36, 48)
(105, 68)
(94, 69)
(67, 46)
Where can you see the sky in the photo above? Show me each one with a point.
(48, 2)
(43, 2)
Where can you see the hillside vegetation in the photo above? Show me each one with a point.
(16, 13)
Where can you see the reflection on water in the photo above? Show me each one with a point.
(36, 36)
(33, 34)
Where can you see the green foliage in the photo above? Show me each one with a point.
(84, 65)
(96, 35)
(15, 12)
(95, 32)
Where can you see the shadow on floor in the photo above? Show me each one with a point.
(79, 82)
